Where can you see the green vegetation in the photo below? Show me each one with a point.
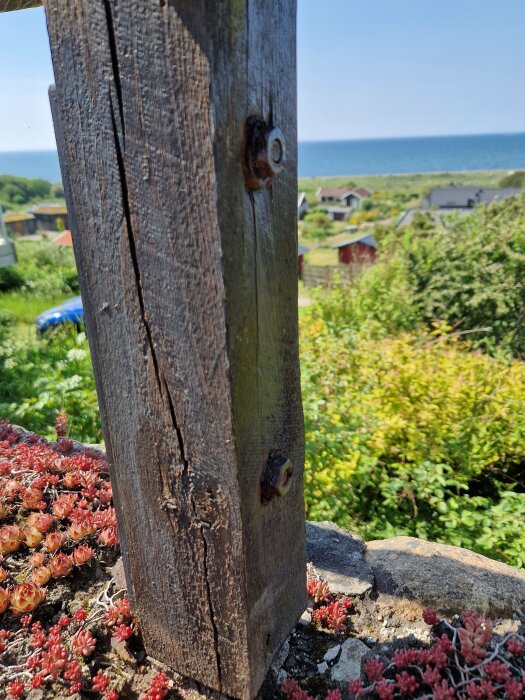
(317, 224)
(413, 382)
(516, 179)
(43, 375)
(19, 192)
(411, 428)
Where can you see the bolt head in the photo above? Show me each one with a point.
(266, 154)
(277, 477)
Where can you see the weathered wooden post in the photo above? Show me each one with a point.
(176, 124)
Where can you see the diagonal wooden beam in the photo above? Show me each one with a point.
(178, 133)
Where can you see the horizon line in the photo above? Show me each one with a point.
(415, 136)
(338, 140)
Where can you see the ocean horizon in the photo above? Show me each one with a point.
(380, 156)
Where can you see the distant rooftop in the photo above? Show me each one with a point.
(365, 238)
(12, 217)
(454, 197)
(50, 209)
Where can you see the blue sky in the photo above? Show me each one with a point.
(367, 69)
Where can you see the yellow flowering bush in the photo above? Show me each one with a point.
(416, 434)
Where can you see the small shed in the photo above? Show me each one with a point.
(301, 251)
(51, 218)
(359, 249)
(7, 248)
(20, 224)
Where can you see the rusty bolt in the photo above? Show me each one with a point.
(277, 477)
(266, 154)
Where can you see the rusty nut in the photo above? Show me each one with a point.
(277, 477)
(266, 154)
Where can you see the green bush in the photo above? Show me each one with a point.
(48, 270)
(468, 272)
(10, 279)
(16, 191)
(414, 435)
(317, 225)
(516, 179)
(43, 376)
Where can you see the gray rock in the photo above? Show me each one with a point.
(305, 618)
(122, 650)
(117, 572)
(281, 657)
(338, 557)
(349, 665)
(449, 579)
(332, 653)
(322, 668)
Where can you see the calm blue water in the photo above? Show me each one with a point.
(412, 155)
(368, 157)
(42, 164)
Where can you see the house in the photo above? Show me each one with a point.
(338, 213)
(354, 196)
(359, 249)
(302, 204)
(21, 224)
(466, 197)
(301, 251)
(64, 239)
(330, 194)
(50, 217)
(7, 248)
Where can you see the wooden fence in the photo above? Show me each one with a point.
(329, 275)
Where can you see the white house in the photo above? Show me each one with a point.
(354, 196)
(302, 204)
(7, 248)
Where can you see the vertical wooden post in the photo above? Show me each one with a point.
(168, 109)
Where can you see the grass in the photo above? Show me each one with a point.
(321, 256)
(26, 308)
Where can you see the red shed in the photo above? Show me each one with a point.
(301, 250)
(359, 249)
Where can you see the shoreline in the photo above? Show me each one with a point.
(413, 174)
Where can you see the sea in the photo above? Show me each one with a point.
(419, 154)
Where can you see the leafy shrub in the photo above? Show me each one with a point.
(317, 224)
(15, 191)
(48, 270)
(10, 279)
(516, 179)
(414, 435)
(470, 273)
(47, 375)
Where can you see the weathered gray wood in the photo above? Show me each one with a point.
(189, 288)
(10, 5)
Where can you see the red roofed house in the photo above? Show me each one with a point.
(330, 194)
(359, 249)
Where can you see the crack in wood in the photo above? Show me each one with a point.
(161, 382)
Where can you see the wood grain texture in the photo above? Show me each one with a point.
(10, 5)
(189, 288)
